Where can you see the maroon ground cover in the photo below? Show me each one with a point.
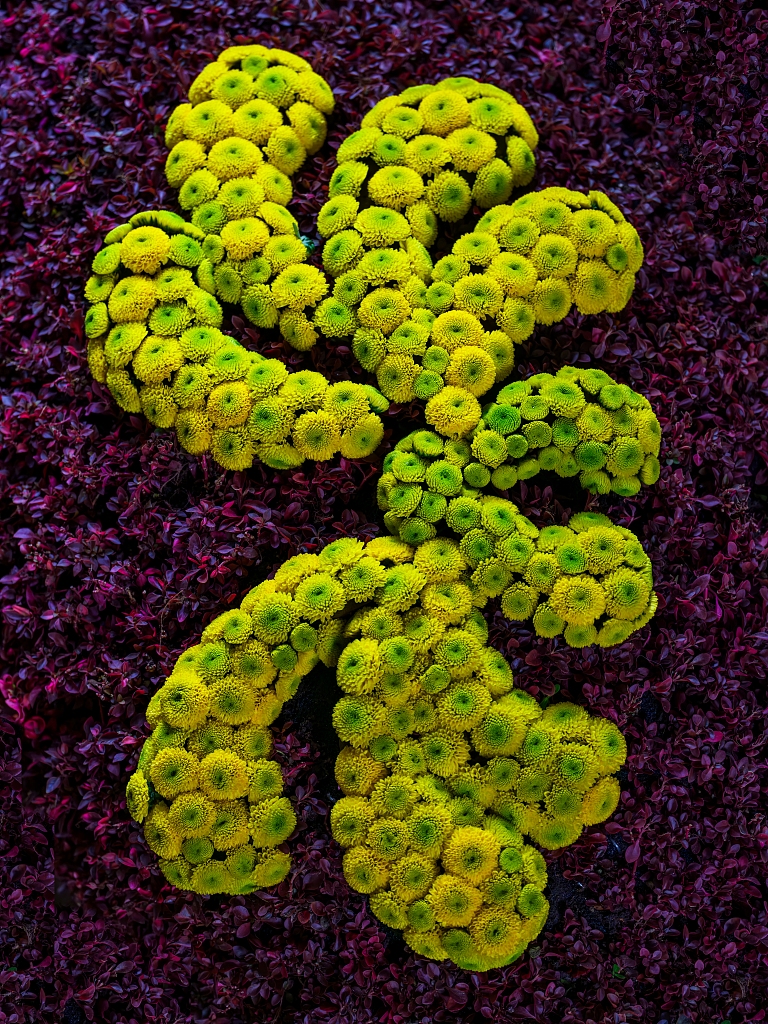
(117, 548)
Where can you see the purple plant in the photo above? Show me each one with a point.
(116, 546)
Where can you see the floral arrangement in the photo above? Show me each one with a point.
(443, 332)
(445, 769)
(120, 548)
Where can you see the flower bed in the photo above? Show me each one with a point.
(117, 546)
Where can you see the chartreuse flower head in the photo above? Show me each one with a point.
(446, 767)
(563, 247)
(364, 871)
(271, 822)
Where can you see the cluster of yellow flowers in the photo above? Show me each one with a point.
(532, 260)
(232, 158)
(589, 581)
(454, 143)
(445, 768)
(420, 159)
(205, 787)
(448, 329)
(231, 147)
(573, 423)
(154, 338)
(153, 324)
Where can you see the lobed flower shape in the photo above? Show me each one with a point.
(451, 778)
(254, 116)
(448, 772)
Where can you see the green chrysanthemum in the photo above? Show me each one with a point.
(174, 771)
(579, 600)
(271, 822)
(498, 734)
(600, 801)
(223, 775)
(351, 817)
(137, 796)
(319, 597)
(609, 746)
(445, 752)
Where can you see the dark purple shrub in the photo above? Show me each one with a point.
(117, 548)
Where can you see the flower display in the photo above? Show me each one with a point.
(589, 581)
(253, 117)
(120, 547)
(446, 769)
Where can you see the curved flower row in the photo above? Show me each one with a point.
(231, 147)
(575, 423)
(155, 340)
(590, 580)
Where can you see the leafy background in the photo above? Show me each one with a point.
(117, 547)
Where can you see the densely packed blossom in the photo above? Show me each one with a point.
(420, 160)
(574, 423)
(465, 142)
(445, 766)
(588, 580)
(158, 284)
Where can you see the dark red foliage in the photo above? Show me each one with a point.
(117, 548)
